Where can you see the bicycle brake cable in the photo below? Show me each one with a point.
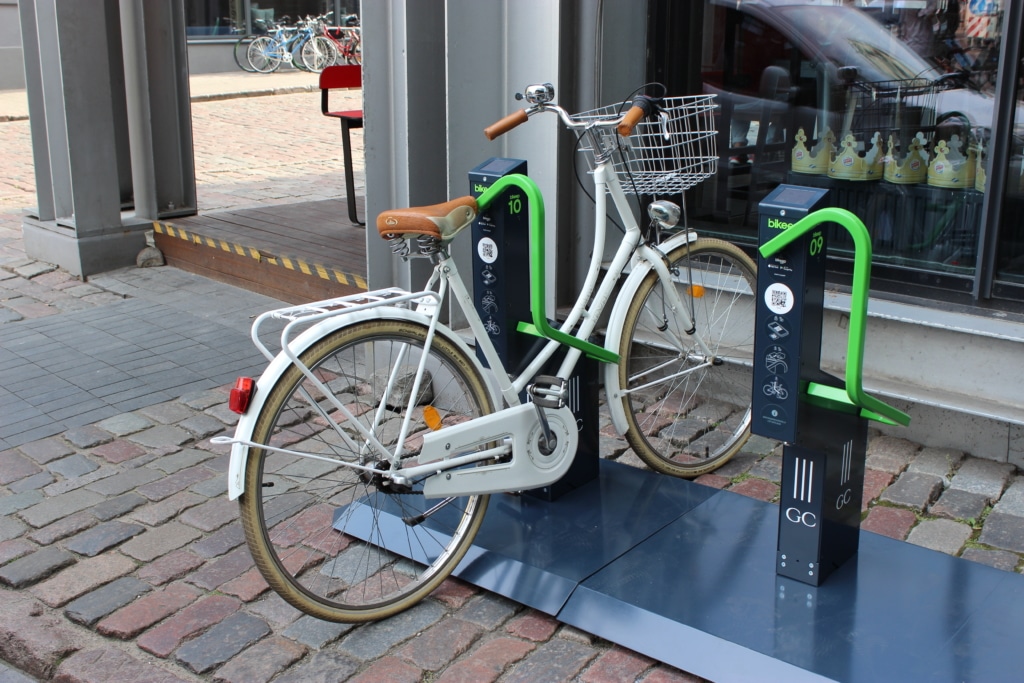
(576, 173)
(633, 96)
(651, 105)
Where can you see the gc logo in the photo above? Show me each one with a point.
(808, 519)
(843, 499)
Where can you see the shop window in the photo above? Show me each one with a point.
(225, 18)
(889, 106)
(214, 18)
(1010, 245)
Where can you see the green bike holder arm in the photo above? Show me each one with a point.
(871, 407)
(540, 326)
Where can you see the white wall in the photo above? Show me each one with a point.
(590, 50)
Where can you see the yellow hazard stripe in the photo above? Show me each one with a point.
(289, 262)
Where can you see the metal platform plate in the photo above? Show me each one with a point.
(685, 574)
(537, 552)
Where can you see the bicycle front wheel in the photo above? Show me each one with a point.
(241, 52)
(686, 392)
(263, 55)
(318, 53)
(344, 544)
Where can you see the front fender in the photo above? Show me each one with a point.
(616, 321)
(278, 366)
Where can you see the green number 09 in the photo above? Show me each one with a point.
(817, 243)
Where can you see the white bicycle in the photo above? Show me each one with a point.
(367, 450)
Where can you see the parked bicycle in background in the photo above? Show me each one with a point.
(302, 45)
(312, 44)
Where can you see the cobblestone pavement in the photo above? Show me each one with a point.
(122, 559)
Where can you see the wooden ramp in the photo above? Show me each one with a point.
(298, 252)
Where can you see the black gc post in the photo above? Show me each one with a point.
(821, 419)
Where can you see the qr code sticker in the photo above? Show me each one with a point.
(779, 298)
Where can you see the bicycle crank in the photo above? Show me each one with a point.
(539, 458)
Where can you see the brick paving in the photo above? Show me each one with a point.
(120, 557)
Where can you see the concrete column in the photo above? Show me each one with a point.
(80, 127)
(403, 104)
(82, 212)
(495, 50)
(434, 74)
(431, 88)
(159, 109)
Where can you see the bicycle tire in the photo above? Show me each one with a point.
(688, 424)
(240, 52)
(262, 55)
(322, 567)
(354, 55)
(296, 55)
(317, 54)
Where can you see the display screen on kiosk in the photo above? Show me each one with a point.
(796, 197)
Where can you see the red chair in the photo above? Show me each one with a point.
(331, 78)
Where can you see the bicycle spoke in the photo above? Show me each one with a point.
(348, 544)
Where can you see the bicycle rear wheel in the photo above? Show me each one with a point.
(689, 413)
(332, 540)
(263, 55)
(354, 52)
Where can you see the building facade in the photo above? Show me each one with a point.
(212, 27)
(908, 111)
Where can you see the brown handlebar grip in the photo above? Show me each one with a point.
(632, 118)
(503, 126)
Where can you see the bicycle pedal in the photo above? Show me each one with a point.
(547, 391)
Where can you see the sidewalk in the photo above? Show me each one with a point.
(202, 87)
(121, 557)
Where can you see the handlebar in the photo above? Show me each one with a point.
(499, 128)
(630, 120)
(643, 106)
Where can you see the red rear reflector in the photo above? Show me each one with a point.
(241, 395)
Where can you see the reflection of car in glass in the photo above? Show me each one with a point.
(811, 93)
(800, 53)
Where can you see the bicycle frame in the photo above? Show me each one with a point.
(287, 40)
(585, 316)
(435, 457)
(346, 42)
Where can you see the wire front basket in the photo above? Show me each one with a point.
(666, 154)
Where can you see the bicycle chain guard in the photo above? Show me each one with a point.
(530, 467)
